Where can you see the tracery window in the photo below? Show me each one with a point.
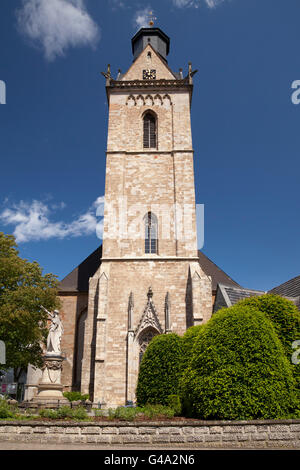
(150, 137)
(144, 341)
(151, 233)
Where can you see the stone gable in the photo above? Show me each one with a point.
(144, 61)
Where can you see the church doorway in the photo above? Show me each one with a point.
(144, 339)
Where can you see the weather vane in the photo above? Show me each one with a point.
(151, 18)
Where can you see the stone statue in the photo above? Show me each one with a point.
(55, 333)
(50, 389)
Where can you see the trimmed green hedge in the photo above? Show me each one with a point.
(65, 412)
(188, 341)
(160, 370)
(238, 370)
(285, 317)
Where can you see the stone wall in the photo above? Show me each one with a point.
(72, 307)
(196, 434)
(111, 359)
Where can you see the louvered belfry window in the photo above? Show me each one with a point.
(149, 131)
(151, 235)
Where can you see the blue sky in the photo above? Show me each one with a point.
(245, 127)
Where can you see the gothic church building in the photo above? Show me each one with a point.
(148, 277)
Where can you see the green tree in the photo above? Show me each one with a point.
(160, 370)
(238, 370)
(23, 289)
(285, 317)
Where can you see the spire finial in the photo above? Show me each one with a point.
(150, 294)
(151, 18)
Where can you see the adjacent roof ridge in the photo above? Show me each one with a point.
(290, 281)
(78, 279)
(242, 288)
(219, 270)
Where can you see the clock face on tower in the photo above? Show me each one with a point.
(149, 74)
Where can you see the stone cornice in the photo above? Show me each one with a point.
(146, 84)
(128, 86)
(163, 258)
(145, 152)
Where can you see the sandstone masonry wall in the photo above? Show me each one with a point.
(201, 434)
(71, 309)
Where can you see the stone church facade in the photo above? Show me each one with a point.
(148, 277)
(150, 280)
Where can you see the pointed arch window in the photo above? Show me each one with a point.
(151, 233)
(150, 138)
(144, 341)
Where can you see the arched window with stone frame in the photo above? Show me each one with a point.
(150, 130)
(144, 339)
(151, 233)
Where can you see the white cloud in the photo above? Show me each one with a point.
(185, 3)
(56, 25)
(118, 4)
(196, 3)
(99, 206)
(32, 222)
(141, 18)
(213, 3)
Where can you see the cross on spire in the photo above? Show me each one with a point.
(151, 18)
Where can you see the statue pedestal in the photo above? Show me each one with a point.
(50, 388)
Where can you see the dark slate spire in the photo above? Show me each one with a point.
(154, 36)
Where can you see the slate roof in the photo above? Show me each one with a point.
(229, 295)
(232, 295)
(78, 279)
(290, 288)
(211, 269)
(235, 295)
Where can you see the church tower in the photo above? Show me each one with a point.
(150, 281)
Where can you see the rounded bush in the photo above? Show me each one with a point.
(188, 341)
(160, 370)
(175, 404)
(76, 396)
(238, 369)
(5, 409)
(285, 317)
